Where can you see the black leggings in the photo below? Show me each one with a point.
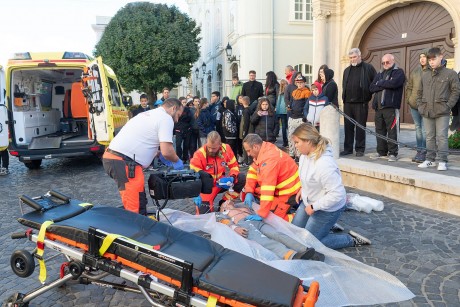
(5, 158)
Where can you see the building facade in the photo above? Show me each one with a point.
(264, 35)
(270, 34)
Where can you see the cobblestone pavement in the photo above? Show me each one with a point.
(419, 246)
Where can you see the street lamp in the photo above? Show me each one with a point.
(197, 72)
(231, 58)
(203, 67)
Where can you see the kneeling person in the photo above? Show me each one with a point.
(214, 158)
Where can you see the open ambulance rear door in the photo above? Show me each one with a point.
(3, 112)
(97, 92)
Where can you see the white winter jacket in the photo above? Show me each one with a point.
(321, 182)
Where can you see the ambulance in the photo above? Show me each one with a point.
(59, 104)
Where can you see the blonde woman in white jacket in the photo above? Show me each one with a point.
(322, 194)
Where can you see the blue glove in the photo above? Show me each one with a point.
(164, 161)
(197, 200)
(249, 199)
(225, 182)
(253, 217)
(178, 165)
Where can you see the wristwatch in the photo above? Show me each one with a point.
(311, 206)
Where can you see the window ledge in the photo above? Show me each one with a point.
(300, 22)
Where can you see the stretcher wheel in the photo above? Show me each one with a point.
(22, 263)
(15, 301)
(76, 269)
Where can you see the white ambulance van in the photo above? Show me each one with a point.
(59, 104)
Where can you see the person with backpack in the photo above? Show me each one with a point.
(229, 124)
(204, 120)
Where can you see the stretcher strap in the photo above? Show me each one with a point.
(85, 204)
(41, 250)
(108, 240)
(212, 301)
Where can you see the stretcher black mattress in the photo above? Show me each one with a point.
(216, 269)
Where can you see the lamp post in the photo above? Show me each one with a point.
(230, 57)
(197, 73)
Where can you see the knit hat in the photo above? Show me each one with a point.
(300, 78)
(318, 86)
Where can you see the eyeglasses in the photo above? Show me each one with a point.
(386, 63)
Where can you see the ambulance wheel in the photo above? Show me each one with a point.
(22, 263)
(15, 301)
(33, 164)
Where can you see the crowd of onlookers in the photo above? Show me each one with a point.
(267, 110)
(280, 106)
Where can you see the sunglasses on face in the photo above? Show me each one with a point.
(386, 63)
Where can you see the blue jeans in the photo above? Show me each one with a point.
(420, 134)
(284, 127)
(436, 138)
(320, 223)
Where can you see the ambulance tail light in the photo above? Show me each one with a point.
(95, 148)
(14, 153)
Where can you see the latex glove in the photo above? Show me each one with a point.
(198, 201)
(249, 199)
(253, 217)
(225, 182)
(178, 165)
(164, 161)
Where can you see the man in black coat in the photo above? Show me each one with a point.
(356, 96)
(253, 89)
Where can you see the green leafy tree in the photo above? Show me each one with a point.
(150, 46)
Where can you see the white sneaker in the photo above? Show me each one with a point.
(375, 156)
(426, 164)
(442, 166)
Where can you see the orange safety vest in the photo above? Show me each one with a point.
(215, 166)
(274, 176)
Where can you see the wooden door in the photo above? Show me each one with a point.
(405, 32)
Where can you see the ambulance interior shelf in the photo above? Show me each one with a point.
(35, 117)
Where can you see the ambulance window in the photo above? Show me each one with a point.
(114, 92)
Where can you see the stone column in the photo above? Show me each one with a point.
(319, 41)
(457, 54)
(330, 128)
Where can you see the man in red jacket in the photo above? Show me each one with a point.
(218, 160)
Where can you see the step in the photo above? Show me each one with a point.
(433, 190)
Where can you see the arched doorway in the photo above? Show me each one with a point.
(405, 32)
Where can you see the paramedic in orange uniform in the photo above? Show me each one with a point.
(215, 158)
(135, 147)
(272, 177)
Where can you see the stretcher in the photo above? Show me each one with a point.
(168, 266)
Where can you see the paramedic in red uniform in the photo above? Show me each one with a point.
(272, 177)
(215, 158)
(135, 147)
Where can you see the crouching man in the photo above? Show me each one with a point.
(215, 158)
(272, 177)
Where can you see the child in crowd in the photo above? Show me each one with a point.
(264, 120)
(315, 104)
(296, 109)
